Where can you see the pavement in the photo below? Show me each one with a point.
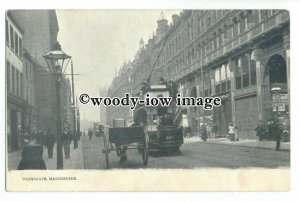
(75, 161)
(284, 146)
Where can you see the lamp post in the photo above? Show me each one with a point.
(57, 61)
(275, 91)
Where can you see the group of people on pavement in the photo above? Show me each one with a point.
(208, 130)
(48, 139)
(272, 129)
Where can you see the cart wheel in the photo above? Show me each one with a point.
(106, 149)
(145, 149)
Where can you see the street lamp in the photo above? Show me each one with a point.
(57, 61)
(275, 91)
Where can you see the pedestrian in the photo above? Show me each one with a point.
(204, 133)
(32, 158)
(208, 130)
(276, 130)
(214, 130)
(39, 137)
(189, 131)
(49, 143)
(231, 131)
(67, 139)
(260, 130)
(236, 132)
(90, 134)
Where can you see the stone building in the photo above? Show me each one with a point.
(238, 55)
(133, 75)
(15, 103)
(121, 84)
(103, 93)
(31, 103)
(30, 68)
(40, 34)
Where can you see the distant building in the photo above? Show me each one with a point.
(30, 69)
(103, 93)
(121, 84)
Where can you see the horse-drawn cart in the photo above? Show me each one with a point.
(120, 139)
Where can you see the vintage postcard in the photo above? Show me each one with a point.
(147, 100)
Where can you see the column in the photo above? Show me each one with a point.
(232, 94)
(286, 44)
(257, 56)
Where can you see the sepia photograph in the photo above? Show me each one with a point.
(104, 91)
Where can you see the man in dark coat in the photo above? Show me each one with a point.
(260, 130)
(32, 158)
(90, 134)
(277, 132)
(49, 143)
(67, 139)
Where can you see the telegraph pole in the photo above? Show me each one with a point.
(74, 109)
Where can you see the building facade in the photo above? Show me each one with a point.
(103, 93)
(133, 75)
(238, 55)
(16, 103)
(31, 104)
(121, 84)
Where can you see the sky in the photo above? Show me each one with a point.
(99, 42)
